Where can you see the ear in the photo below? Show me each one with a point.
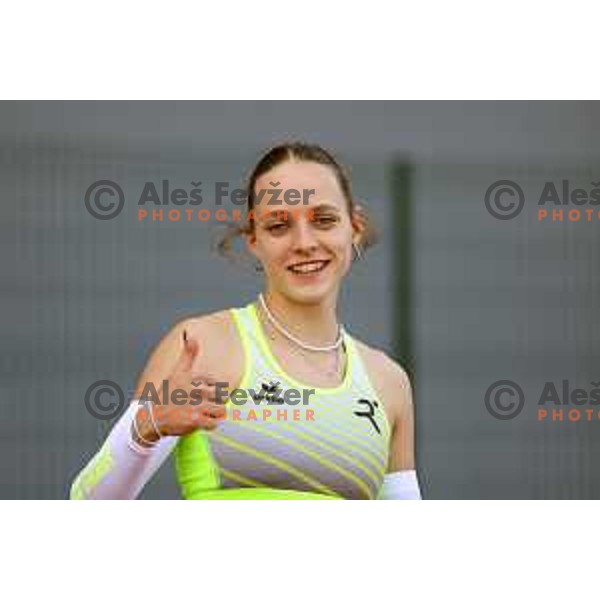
(359, 223)
(250, 240)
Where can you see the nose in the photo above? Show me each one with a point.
(304, 239)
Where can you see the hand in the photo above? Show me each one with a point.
(198, 409)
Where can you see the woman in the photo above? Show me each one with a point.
(312, 413)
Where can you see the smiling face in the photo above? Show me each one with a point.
(306, 255)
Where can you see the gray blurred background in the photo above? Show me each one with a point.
(460, 298)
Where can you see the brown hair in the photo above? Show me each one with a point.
(302, 152)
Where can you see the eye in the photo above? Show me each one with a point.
(276, 227)
(325, 220)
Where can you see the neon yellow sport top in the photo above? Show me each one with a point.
(330, 444)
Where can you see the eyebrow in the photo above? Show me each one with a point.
(274, 212)
(325, 206)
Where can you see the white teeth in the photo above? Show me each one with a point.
(309, 267)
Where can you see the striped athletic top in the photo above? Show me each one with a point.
(328, 444)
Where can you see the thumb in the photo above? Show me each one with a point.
(189, 352)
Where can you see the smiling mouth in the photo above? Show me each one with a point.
(308, 267)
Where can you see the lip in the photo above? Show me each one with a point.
(309, 262)
(327, 261)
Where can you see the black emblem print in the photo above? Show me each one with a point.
(271, 392)
(369, 414)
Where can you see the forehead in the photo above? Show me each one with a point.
(303, 176)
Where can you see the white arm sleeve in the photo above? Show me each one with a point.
(121, 468)
(401, 485)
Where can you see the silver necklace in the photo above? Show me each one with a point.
(304, 346)
(294, 339)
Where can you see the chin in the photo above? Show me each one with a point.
(309, 294)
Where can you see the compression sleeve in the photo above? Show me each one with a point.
(401, 485)
(121, 468)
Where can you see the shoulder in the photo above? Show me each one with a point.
(210, 330)
(381, 365)
(210, 327)
(389, 378)
(216, 334)
(220, 351)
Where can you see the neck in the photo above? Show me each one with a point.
(314, 324)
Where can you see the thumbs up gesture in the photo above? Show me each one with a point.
(194, 406)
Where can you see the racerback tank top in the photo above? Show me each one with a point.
(328, 444)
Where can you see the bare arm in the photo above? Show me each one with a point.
(402, 449)
(401, 481)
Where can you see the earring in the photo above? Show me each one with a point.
(357, 251)
(258, 268)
